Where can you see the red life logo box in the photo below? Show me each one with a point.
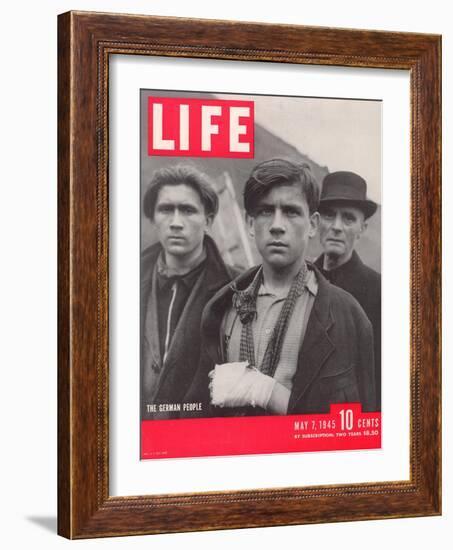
(184, 127)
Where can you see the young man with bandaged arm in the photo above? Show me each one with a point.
(281, 339)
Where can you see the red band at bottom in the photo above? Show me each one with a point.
(346, 427)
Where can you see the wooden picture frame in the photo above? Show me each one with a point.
(85, 41)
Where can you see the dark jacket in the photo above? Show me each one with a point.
(365, 285)
(335, 363)
(184, 352)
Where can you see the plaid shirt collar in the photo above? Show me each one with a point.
(310, 285)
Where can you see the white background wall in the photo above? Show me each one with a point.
(28, 239)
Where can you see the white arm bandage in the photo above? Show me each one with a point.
(238, 385)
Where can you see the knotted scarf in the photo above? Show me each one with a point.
(244, 301)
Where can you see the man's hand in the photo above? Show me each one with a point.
(239, 385)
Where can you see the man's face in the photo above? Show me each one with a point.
(340, 227)
(282, 226)
(180, 220)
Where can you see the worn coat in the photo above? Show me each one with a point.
(365, 285)
(335, 364)
(184, 353)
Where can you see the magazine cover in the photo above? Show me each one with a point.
(260, 274)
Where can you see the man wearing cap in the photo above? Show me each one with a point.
(281, 339)
(344, 210)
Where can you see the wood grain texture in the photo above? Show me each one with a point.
(85, 42)
(64, 374)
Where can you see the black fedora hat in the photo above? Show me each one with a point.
(347, 188)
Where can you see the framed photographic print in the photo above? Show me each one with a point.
(249, 275)
(176, 388)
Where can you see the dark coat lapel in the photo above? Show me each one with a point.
(317, 346)
(214, 276)
(148, 261)
(151, 335)
(148, 311)
(185, 331)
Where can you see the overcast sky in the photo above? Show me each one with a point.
(341, 134)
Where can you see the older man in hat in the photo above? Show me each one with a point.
(344, 210)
